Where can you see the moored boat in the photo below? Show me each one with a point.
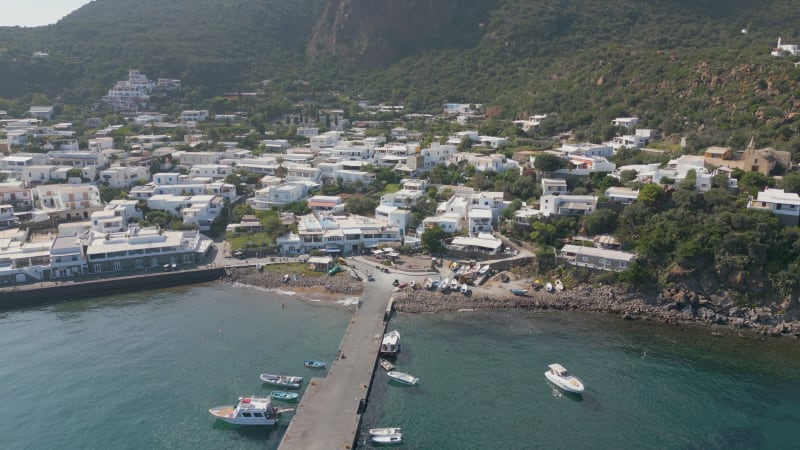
(387, 439)
(454, 285)
(384, 431)
(287, 381)
(249, 411)
(548, 287)
(284, 395)
(402, 377)
(519, 291)
(314, 364)
(386, 365)
(444, 284)
(559, 286)
(390, 343)
(560, 376)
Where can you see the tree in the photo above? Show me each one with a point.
(360, 205)
(601, 221)
(433, 240)
(650, 194)
(546, 163)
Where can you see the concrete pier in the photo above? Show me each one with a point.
(329, 414)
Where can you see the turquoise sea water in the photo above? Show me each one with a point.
(482, 385)
(140, 371)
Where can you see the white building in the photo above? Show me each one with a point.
(625, 122)
(622, 195)
(272, 196)
(785, 49)
(438, 154)
(194, 115)
(69, 201)
(411, 191)
(197, 210)
(16, 195)
(567, 205)
(337, 234)
(214, 171)
(786, 205)
(554, 186)
(124, 177)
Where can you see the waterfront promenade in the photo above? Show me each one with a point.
(328, 415)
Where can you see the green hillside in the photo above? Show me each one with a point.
(680, 65)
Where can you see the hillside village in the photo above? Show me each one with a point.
(112, 203)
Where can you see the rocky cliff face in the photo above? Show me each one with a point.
(375, 32)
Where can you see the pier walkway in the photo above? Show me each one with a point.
(328, 415)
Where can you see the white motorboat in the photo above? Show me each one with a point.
(548, 287)
(388, 439)
(484, 269)
(249, 411)
(390, 343)
(559, 286)
(384, 431)
(286, 381)
(454, 285)
(464, 288)
(560, 376)
(444, 284)
(402, 377)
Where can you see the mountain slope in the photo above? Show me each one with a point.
(681, 65)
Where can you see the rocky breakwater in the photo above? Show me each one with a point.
(341, 283)
(672, 306)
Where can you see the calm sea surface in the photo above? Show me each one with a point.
(140, 371)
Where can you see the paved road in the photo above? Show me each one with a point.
(327, 416)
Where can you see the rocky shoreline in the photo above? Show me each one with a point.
(342, 284)
(674, 306)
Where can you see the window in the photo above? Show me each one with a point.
(246, 415)
(257, 414)
(117, 265)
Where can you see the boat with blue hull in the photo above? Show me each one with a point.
(314, 364)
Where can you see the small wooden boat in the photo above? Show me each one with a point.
(314, 364)
(519, 291)
(559, 286)
(384, 431)
(386, 365)
(403, 378)
(388, 439)
(284, 395)
(286, 381)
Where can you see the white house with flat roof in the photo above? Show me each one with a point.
(15, 193)
(596, 258)
(123, 177)
(272, 196)
(214, 171)
(625, 122)
(567, 205)
(337, 234)
(554, 186)
(621, 194)
(68, 201)
(141, 248)
(785, 205)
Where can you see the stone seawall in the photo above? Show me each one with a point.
(56, 292)
(669, 307)
(341, 283)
